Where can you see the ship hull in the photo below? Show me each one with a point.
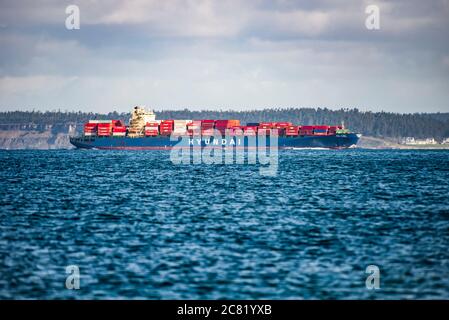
(338, 141)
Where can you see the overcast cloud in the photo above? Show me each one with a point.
(224, 54)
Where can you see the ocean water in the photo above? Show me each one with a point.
(140, 227)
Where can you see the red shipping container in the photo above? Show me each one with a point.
(249, 131)
(207, 124)
(236, 131)
(281, 125)
(333, 129)
(321, 127)
(227, 123)
(167, 124)
(292, 131)
(270, 131)
(207, 132)
(117, 123)
(151, 133)
(221, 123)
(266, 125)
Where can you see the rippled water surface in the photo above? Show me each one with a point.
(139, 226)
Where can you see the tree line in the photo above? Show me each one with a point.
(378, 124)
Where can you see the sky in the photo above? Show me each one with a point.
(236, 55)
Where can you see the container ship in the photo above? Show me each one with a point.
(144, 132)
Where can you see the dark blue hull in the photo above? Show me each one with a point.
(163, 142)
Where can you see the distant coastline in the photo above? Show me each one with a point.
(46, 140)
(380, 130)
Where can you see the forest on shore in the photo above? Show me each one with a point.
(376, 124)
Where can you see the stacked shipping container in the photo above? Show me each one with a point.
(207, 128)
(104, 129)
(119, 131)
(292, 131)
(306, 131)
(90, 129)
(250, 130)
(152, 129)
(180, 127)
(223, 125)
(166, 127)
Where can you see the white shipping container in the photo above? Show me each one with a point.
(100, 121)
(182, 121)
(119, 134)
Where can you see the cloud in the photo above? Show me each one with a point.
(24, 85)
(241, 54)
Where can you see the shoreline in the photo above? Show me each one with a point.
(47, 140)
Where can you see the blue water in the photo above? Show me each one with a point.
(138, 226)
